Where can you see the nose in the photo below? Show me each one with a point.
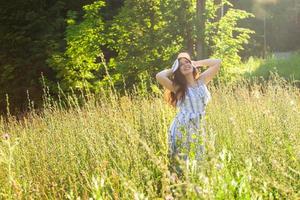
(187, 65)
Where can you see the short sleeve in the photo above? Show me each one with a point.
(207, 95)
(201, 81)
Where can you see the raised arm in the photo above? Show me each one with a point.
(213, 68)
(162, 78)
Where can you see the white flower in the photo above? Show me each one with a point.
(5, 136)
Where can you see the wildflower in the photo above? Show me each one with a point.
(169, 197)
(274, 163)
(205, 180)
(266, 112)
(234, 183)
(258, 159)
(198, 190)
(219, 166)
(232, 120)
(138, 195)
(173, 177)
(292, 102)
(5, 136)
(250, 131)
(256, 94)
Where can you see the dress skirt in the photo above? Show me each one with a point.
(186, 136)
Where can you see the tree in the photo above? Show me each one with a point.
(224, 36)
(146, 35)
(78, 65)
(28, 35)
(200, 27)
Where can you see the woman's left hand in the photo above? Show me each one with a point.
(199, 63)
(194, 63)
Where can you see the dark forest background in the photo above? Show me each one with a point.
(76, 44)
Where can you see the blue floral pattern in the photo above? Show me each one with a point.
(187, 131)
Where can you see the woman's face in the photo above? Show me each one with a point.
(185, 66)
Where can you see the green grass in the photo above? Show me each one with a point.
(289, 68)
(115, 147)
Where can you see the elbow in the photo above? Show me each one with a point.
(218, 61)
(157, 76)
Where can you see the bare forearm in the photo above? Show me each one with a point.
(213, 69)
(165, 73)
(208, 62)
(163, 78)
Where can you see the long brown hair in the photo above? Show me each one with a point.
(178, 79)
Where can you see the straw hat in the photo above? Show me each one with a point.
(184, 55)
(176, 62)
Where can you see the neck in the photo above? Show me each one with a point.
(190, 80)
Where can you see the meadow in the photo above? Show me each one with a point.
(285, 66)
(109, 146)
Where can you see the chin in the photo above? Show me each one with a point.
(188, 72)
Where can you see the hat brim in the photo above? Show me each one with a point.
(176, 64)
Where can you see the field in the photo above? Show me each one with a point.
(113, 147)
(287, 67)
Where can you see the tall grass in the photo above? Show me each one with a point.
(289, 68)
(115, 147)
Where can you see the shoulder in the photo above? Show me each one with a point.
(203, 85)
(200, 80)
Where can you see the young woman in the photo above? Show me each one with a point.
(186, 89)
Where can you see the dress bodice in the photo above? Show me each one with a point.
(195, 101)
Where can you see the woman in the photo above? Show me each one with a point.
(186, 89)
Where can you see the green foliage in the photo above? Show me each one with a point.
(287, 68)
(225, 38)
(147, 35)
(78, 65)
(29, 33)
(282, 19)
(66, 40)
(143, 38)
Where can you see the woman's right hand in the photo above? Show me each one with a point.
(163, 78)
(197, 63)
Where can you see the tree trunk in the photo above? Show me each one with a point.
(188, 26)
(220, 12)
(200, 27)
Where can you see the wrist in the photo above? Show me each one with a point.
(199, 63)
(196, 63)
(168, 72)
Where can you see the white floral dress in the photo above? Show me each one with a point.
(187, 131)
